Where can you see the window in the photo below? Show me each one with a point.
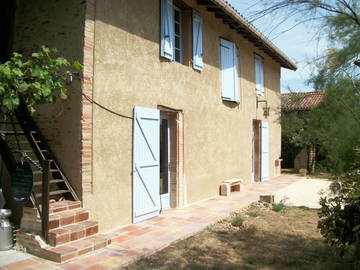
(229, 74)
(259, 75)
(181, 29)
(177, 35)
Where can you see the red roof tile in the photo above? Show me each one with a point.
(301, 100)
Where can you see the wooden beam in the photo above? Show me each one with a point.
(222, 16)
(205, 3)
(214, 9)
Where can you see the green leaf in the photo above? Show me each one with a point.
(2, 89)
(45, 49)
(11, 103)
(17, 72)
(36, 55)
(77, 66)
(23, 87)
(61, 61)
(35, 72)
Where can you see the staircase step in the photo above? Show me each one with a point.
(60, 206)
(56, 192)
(40, 172)
(72, 232)
(11, 132)
(63, 252)
(67, 217)
(80, 247)
(54, 208)
(52, 181)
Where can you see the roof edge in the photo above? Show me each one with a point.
(231, 11)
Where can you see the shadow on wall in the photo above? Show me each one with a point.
(57, 24)
(142, 18)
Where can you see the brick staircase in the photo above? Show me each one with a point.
(71, 233)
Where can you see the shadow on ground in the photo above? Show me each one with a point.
(259, 246)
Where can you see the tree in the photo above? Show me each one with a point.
(335, 124)
(37, 80)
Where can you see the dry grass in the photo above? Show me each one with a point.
(267, 240)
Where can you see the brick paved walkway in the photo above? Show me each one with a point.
(138, 240)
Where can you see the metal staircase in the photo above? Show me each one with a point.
(23, 139)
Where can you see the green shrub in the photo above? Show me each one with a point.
(278, 207)
(340, 214)
(253, 214)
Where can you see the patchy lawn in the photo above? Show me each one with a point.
(257, 238)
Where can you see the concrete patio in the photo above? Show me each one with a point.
(135, 241)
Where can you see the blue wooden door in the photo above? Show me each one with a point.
(146, 164)
(264, 150)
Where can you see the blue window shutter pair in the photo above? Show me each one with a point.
(229, 74)
(168, 34)
(259, 75)
(197, 41)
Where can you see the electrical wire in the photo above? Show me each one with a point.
(106, 109)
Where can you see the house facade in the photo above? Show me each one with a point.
(170, 103)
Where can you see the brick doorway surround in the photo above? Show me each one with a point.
(178, 196)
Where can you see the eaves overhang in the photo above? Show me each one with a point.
(230, 16)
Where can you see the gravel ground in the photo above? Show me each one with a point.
(305, 192)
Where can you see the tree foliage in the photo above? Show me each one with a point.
(335, 123)
(37, 80)
(340, 214)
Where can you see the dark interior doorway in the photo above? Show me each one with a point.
(256, 150)
(7, 8)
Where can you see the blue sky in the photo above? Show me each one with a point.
(298, 43)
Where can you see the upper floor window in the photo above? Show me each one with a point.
(181, 29)
(177, 35)
(259, 75)
(229, 72)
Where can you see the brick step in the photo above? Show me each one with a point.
(72, 232)
(65, 252)
(64, 218)
(55, 207)
(63, 206)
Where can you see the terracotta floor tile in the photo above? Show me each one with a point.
(20, 265)
(120, 239)
(91, 259)
(72, 266)
(98, 267)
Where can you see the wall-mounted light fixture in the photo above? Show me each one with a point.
(266, 108)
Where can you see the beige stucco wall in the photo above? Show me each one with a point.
(129, 72)
(57, 24)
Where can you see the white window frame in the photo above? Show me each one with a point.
(260, 91)
(178, 35)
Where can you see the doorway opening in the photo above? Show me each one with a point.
(256, 150)
(170, 157)
(260, 151)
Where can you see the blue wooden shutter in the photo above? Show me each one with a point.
(167, 29)
(264, 150)
(236, 76)
(197, 41)
(229, 75)
(146, 164)
(259, 74)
